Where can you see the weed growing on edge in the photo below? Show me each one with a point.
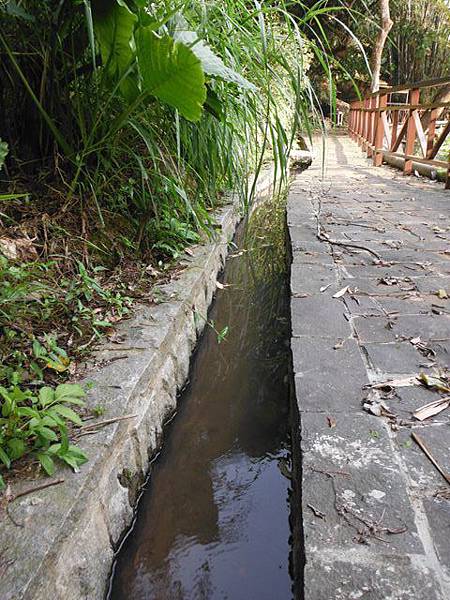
(38, 425)
(43, 318)
(220, 335)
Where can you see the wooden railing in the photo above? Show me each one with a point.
(408, 128)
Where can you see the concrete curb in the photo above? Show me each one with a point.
(64, 545)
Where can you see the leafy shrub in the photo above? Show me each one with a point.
(42, 312)
(38, 425)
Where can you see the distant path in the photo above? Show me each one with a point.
(373, 528)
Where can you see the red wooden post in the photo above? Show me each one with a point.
(370, 132)
(351, 117)
(379, 131)
(395, 114)
(431, 132)
(366, 124)
(414, 96)
(358, 126)
(363, 123)
(447, 180)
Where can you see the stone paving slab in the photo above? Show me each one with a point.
(345, 372)
(356, 575)
(376, 523)
(364, 482)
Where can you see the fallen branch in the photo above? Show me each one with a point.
(317, 512)
(105, 422)
(36, 488)
(324, 237)
(330, 473)
(430, 457)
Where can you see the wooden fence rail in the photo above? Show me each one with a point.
(410, 128)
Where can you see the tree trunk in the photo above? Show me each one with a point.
(443, 95)
(386, 25)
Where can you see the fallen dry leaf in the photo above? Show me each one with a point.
(431, 409)
(20, 248)
(399, 382)
(340, 293)
(325, 287)
(436, 383)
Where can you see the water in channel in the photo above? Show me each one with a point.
(213, 522)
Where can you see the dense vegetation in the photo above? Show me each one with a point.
(418, 46)
(125, 123)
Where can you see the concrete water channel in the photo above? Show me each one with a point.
(330, 331)
(214, 518)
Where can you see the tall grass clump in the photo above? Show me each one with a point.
(149, 111)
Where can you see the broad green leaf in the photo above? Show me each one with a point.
(211, 63)
(54, 448)
(4, 393)
(78, 453)
(6, 406)
(47, 463)
(49, 421)
(58, 420)
(10, 7)
(47, 434)
(171, 72)
(25, 411)
(16, 447)
(2, 483)
(70, 392)
(64, 438)
(38, 349)
(74, 457)
(70, 460)
(46, 396)
(113, 25)
(67, 413)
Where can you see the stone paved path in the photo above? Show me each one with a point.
(374, 527)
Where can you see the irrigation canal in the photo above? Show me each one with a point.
(214, 519)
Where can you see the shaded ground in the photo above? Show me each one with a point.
(375, 509)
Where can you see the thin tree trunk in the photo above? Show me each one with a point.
(386, 25)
